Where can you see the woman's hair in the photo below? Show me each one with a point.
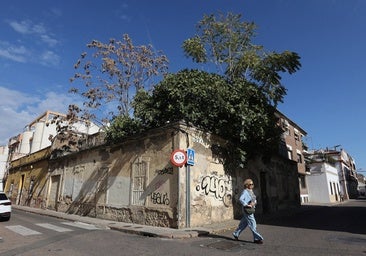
(247, 182)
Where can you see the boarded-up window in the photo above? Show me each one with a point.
(139, 176)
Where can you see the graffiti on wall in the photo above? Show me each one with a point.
(160, 198)
(218, 187)
(168, 170)
(78, 169)
(156, 188)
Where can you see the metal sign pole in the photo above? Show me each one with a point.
(188, 196)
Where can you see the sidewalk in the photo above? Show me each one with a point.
(136, 228)
(162, 232)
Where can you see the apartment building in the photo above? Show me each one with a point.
(293, 148)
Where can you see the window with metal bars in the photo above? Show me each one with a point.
(139, 171)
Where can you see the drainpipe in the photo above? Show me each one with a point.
(345, 190)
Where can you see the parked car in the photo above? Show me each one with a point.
(5, 207)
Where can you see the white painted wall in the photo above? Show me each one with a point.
(321, 176)
(4, 150)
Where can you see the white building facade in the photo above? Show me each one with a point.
(36, 136)
(323, 183)
(4, 150)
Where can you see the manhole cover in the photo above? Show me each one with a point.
(224, 245)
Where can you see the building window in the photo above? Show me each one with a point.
(289, 153)
(331, 189)
(299, 158)
(302, 182)
(139, 171)
(285, 126)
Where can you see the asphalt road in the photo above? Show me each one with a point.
(317, 230)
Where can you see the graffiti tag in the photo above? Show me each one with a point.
(168, 170)
(219, 187)
(159, 198)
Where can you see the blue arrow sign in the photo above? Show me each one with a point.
(190, 156)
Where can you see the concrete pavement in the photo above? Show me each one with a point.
(135, 228)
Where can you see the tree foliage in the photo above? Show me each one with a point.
(228, 42)
(237, 111)
(237, 103)
(112, 73)
(123, 126)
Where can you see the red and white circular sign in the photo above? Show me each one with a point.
(178, 157)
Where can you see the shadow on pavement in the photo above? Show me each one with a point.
(225, 237)
(347, 217)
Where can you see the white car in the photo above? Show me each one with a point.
(5, 207)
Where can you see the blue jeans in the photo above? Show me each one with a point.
(248, 220)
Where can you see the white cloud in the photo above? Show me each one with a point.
(27, 27)
(52, 101)
(48, 40)
(39, 43)
(11, 98)
(14, 53)
(22, 27)
(49, 58)
(38, 29)
(17, 109)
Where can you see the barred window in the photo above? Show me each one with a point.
(139, 171)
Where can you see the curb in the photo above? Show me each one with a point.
(130, 228)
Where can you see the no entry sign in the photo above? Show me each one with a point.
(178, 157)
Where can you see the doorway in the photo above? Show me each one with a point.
(54, 191)
(264, 195)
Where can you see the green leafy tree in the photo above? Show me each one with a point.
(236, 111)
(227, 42)
(123, 126)
(237, 103)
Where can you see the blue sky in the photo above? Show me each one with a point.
(40, 41)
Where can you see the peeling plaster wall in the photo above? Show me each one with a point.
(205, 190)
(130, 182)
(135, 182)
(27, 178)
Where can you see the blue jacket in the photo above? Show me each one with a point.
(246, 198)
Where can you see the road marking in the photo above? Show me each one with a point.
(53, 227)
(23, 230)
(81, 225)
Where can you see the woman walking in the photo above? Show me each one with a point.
(248, 201)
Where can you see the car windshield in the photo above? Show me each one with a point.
(3, 196)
